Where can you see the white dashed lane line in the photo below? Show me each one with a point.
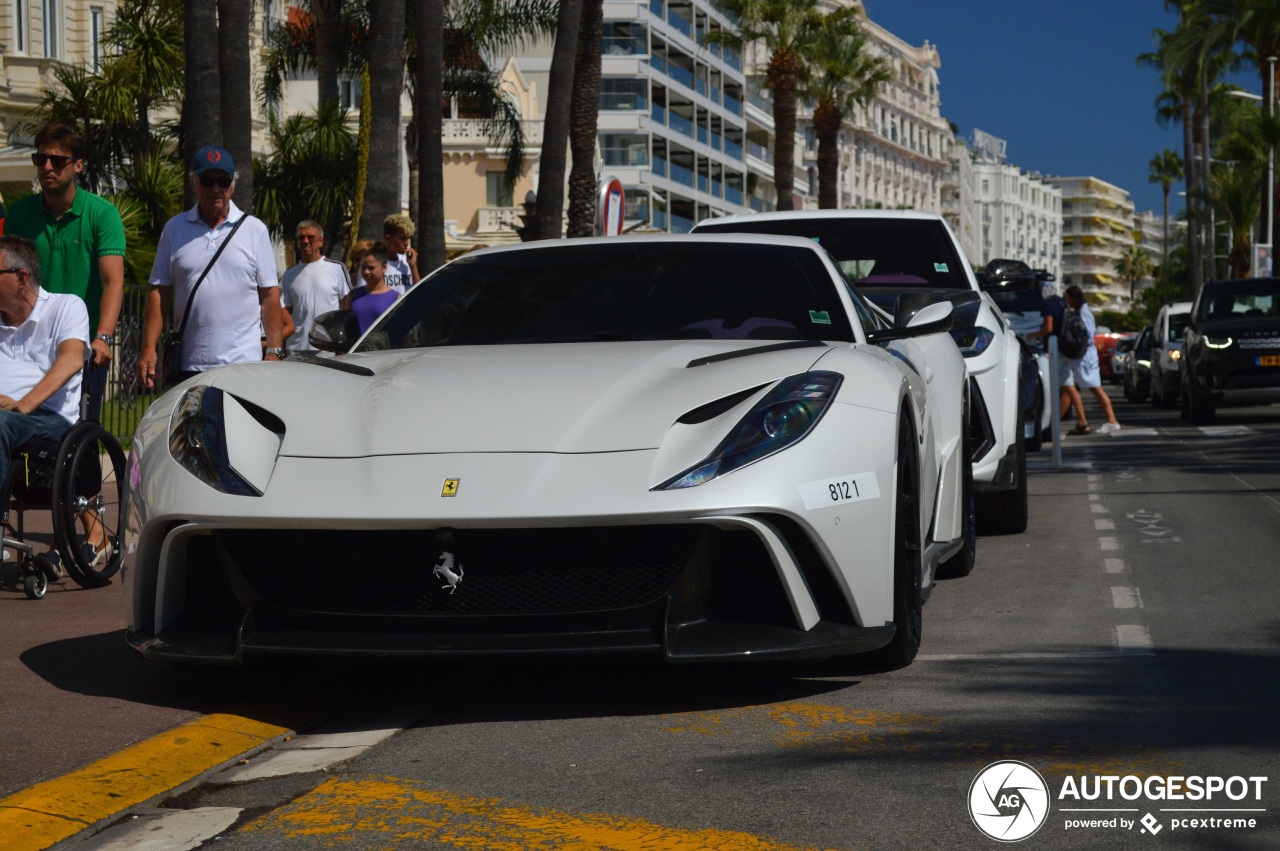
(1125, 598)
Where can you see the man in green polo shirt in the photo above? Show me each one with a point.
(80, 239)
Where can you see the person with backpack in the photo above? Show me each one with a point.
(1054, 311)
(1084, 367)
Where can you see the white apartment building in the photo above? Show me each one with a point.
(894, 152)
(1097, 227)
(957, 198)
(1017, 214)
(35, 36)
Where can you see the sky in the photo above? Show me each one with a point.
(1056, 79)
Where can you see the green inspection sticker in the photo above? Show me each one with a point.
(939, 267)
(819, 317)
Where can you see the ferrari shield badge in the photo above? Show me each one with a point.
(445, 569)
(450, 487)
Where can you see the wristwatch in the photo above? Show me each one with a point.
(277, 351)
(106, 338)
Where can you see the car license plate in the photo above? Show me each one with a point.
(1269, 360)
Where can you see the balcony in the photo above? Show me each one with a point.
(473, 133)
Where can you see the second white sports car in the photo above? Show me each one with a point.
(705, 447)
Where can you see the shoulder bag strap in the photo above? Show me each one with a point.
(191, 298)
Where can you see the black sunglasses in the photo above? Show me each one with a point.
(13, 271)
(59, 161)
(208, 182)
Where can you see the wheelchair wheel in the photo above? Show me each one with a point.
(88, 497)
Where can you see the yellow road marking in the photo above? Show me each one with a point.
(402, 813)
(57, 809)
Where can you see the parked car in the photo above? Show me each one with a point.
(891, 253)
(1137, 371)
(701, 447)
(1166, 353)
(1120, 356)
(1104, 341)
(1231, 348)
(1018, 291)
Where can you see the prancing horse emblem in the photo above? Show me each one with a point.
(445, 571)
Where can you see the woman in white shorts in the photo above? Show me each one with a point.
(1085, 372)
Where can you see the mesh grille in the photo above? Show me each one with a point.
(504, 571)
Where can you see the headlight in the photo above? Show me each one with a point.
(198, 441)
(1176, 354)
(1217, 342)
(783, 417)
(972, 341)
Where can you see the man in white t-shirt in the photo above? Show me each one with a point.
(44, 341)
(312, 286)
(238, 302)
(402, 260)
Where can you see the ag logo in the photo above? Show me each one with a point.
(1009, 800)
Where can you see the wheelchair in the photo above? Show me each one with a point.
(80, 480)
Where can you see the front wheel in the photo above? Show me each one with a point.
(908, 599)
(1005, 512)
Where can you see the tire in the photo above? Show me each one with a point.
(1036, 442)
(1155, 385)
(1184, 405)
(1005, 512)
(83, 482)
(908, 599)
(961, 564)
(1167, 397)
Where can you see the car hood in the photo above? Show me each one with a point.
(1243, 327)
(566, 398)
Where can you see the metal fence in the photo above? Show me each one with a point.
(126, 400)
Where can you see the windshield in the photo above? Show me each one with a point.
(908, 253)
(1177, 324)
(1255, 298)
(599, 292)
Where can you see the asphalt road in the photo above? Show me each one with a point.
(1131, 632)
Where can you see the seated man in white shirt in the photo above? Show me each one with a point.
(44, 340)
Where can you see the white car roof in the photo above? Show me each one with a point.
(653, 239)
(823, 214)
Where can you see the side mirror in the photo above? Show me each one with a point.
(917, 314)
(921, 312)
(335, 331)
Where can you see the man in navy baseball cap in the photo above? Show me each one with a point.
(214, 158)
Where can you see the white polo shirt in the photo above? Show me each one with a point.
(308, 290)
(29, 350)
(226, 319)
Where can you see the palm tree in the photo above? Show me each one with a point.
(428, 112)
(555, 124)
(1165, 169)
(1190, 59)
(1134, 265)
(583, 115)
(386, 77)
(235, 79)
(303, 148)
(202, 107)
(1257, 24)
(843, 74)
(1237, 193)
(784, 28)
(327, 17)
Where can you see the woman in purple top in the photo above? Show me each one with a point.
(371, 300)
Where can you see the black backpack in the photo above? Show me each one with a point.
(1073, 339)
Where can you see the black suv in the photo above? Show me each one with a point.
(1231, 351)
